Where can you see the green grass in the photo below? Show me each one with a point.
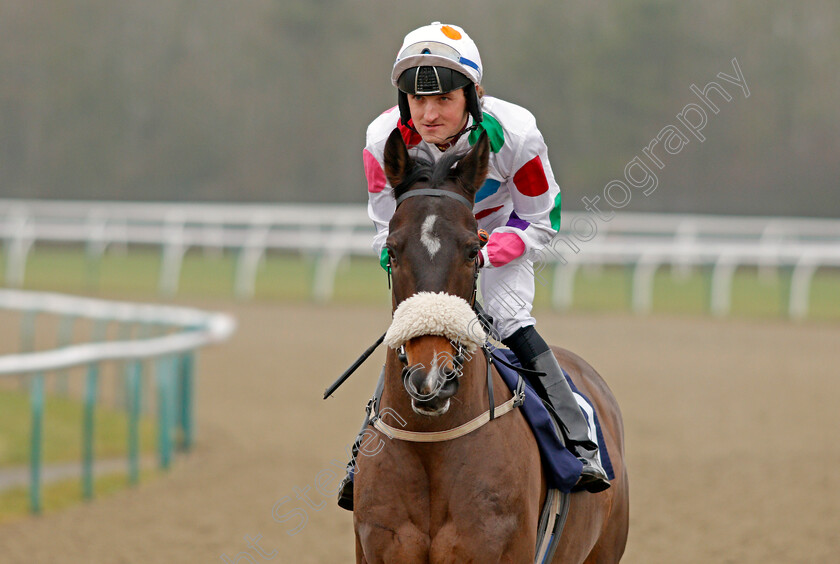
(609, 289)
(290, 278)
(62, 430)
(14, 503)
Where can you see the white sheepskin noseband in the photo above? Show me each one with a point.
(427, 313)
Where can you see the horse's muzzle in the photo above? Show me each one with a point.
(430, 390)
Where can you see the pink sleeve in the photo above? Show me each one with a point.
(503, 247)
(373, 172)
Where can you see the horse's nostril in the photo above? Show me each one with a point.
(416, 381)
(451, 371)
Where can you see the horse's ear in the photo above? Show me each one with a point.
(472, 169)
(397, 161)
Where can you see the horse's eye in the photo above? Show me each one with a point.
(392, 256)
(473, 252)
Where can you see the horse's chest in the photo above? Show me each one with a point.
(472, 525)
(461, 513)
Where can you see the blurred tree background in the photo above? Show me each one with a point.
(268, 100)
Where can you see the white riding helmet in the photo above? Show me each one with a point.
(436, 59)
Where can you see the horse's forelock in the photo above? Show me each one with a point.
(434, 174)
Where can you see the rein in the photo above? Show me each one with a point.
(439, 436)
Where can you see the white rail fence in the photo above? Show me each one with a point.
(184, 331)
(196, 329)
(333, 233)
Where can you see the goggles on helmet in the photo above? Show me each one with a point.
(437, 49)
(434, 54)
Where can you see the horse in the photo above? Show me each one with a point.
(477, 497)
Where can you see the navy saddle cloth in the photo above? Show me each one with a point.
(562, 468)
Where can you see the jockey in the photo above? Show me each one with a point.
(442, 108)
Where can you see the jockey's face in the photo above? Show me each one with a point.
(438, 117)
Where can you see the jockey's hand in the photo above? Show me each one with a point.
(483, 259)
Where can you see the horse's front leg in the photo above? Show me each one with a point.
(482, 544)
(380, 544)
(390, 522)
(360, 553)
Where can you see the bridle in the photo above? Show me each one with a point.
(436, 192)
(458, 360)
(494, 411)
(440, 193)
(369, 351)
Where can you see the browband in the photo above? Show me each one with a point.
(437, 192)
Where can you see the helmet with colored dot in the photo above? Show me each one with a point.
(436, 59)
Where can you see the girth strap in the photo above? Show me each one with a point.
(490, 397)
(551, 524)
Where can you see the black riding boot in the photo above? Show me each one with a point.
(345, 488)
(534, 354)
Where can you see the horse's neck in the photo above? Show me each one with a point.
(471, 400)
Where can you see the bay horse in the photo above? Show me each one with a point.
(478, 497)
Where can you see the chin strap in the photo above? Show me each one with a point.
(455, 137)
(494, 412)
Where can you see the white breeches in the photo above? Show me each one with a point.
(508, 295)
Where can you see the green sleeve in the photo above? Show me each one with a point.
(555, 213)
(383, 259)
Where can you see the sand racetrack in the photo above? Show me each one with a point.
(731, 432)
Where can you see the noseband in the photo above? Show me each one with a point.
(519, 395)
(458, 360)
(457, 365)
(483, 235)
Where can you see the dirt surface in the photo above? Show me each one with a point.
(731, 439)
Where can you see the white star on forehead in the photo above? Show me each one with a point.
(429, 240)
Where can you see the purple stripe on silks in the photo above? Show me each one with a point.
(516, 221)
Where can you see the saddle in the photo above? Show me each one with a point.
(562, 468)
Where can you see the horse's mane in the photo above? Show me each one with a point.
(433, 174)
